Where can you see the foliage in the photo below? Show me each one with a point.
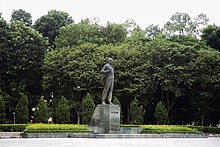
(12, 127)
(136, 112)
(77, 34)
(167, 129)
(21, 65)
(50, 24)
(182, 24)
(63, 111)
(48, 128)
(153, 31)
(88, 32)
(41, 112)
(87, 108)
(175, 67)
(23, 16)
(211, 35)
(206, 129)
(2, 110)
(113, 33)
(161, 114)
(22, 110)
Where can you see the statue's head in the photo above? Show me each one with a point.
(110, 60)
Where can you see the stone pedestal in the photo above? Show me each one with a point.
(106, 119)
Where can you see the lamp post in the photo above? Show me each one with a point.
(14, 116)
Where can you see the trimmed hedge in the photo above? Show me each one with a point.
(164, 128)
(168, 129)
(12, 127)
(206, 129)
(48, 128)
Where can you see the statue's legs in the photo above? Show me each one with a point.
(110, 91)
(107, 91)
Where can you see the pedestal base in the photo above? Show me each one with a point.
(106, 119)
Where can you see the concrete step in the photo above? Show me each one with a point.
(11, 135)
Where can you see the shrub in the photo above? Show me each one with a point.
(206, 129)
(87, 108)
(12, 127)
(47, 128)
(168, 129)
(41, 112)
(22, 110)
(161, 114)
(137, 112)
(63, 111)
(2, 110)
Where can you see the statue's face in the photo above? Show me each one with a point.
(110, 60)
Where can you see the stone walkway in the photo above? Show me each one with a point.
(83, 142)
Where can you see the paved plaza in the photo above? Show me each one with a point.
(84, 142)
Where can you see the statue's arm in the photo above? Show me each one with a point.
(105, 70)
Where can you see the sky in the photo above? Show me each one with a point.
(143, 12)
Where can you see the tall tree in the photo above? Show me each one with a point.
(77, 34)
(50, 24)
(182, 24)
(22, 110)
(23, 16)
(114, 33)
(211, 35)
(153, 31)
(24, 55)
(63, 111)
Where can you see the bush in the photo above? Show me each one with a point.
(63, 112)
(47, 128)
(161, 114)
(2, 110)
(87, 108)
(22, 110)
(12, 127)
(167, 129)
(41, 112)
(137, 112)
(206, 129)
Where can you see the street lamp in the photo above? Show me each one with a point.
(14, 116)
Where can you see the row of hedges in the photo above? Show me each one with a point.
(206, 129)
(12, 127)
(84, 128)
(168, 129)
(46, 128)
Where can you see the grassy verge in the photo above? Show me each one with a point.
(59, 128)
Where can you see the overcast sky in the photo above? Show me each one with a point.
(143, 12)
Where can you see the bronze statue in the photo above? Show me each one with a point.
(108, 81)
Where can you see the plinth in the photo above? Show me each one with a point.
(106, 119)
